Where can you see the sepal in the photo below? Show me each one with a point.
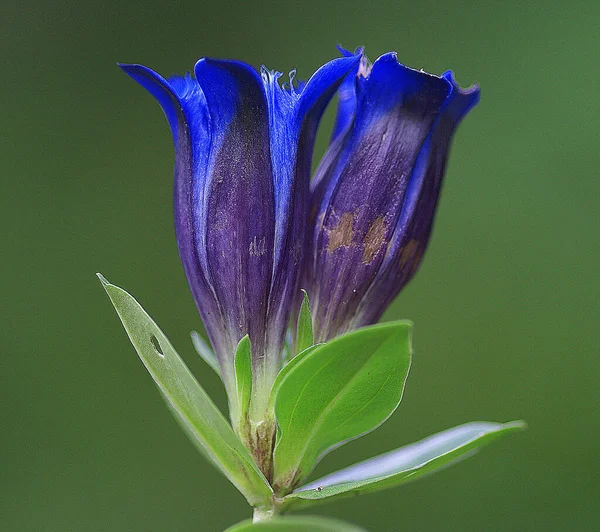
(205, 352)
(243, 385)
(304, 331)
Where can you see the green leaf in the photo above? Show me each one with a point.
(304, 335)
(205, 352)
(186, 398)
(338, 392)
(406, 463)
(188, 430)
(284, 372)
(243, 377)
(303, 523)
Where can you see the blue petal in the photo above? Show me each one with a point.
(460, 101)
(236, 241)
(359, 189)
(161, 89)
(182, 103)
(321, 87)
(294, 115)
(181, 100)
(412, 232)
(346, 108)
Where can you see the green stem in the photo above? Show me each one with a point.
(264, 514)
(261, 442)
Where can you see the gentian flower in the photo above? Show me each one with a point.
(252, 230)
(375, 192)
(243, 149)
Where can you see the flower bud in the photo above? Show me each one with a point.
(375, 192)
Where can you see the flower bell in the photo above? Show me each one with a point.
(375, 192)
(243, 149)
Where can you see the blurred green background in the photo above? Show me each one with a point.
(505, 305)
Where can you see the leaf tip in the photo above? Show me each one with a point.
(518, 425)
(103, 279)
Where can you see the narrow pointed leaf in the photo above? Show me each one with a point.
(336, 393)
(205, 352)
(302, 523)
(406, 463)
(304, 336)
(188, 430)
(243, 376)
(194, 408)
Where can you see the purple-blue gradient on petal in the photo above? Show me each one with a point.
(375, 192)
(243, 151)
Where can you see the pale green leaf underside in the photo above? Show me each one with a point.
(404, 464)
(205, 352)
(305, 523)
(195, 411)
(338, 392)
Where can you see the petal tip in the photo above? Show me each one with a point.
(461, 101)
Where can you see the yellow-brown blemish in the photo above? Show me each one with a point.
(416, 261)
(408, 252)
(374, 239)
(341, 235)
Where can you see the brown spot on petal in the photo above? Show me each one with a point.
(374, 239)
(341, 235)
(416, 261)
(408, 252)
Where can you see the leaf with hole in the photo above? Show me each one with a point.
(304, 523)
(186, 398)
(338, 392)
(404, 464)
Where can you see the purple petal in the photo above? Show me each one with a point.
(360, 189)
(411, 235)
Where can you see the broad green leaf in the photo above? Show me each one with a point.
(338, 392)
(305, 523)
(285, 370)
(304, 335)
(406, 463)
(205, 352)
(243, 376)
(195, 410)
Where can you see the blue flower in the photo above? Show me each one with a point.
(375, 192)
(243, 149)
(251, 227)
